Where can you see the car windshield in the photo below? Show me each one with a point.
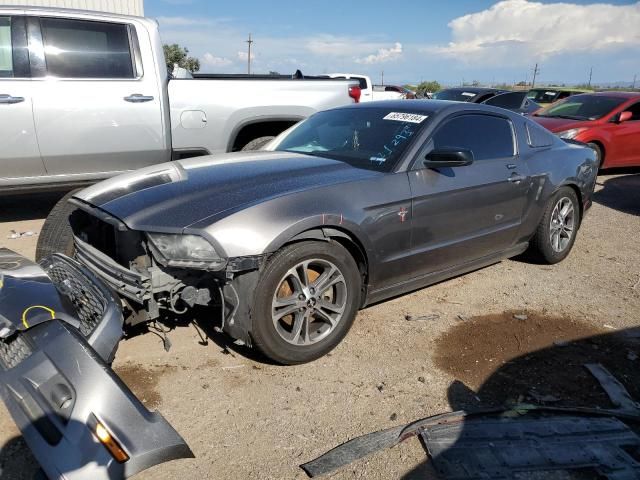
(543, 96)
(583, 107)
(511, 100)
(455, 95)
(371, 138)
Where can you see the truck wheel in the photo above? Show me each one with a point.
(558, 228)
(56, 235)
(305, 302)
(257, 143)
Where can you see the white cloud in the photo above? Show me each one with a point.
(210, 59)
(520, 30)
(383, 55)
(181, 21)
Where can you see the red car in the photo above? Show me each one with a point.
(608, 121)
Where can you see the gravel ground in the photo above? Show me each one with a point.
(245, 418)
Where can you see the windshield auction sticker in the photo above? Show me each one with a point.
(406, 117)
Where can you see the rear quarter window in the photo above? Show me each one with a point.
(538, 136)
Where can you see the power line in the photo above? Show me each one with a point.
(249, 42)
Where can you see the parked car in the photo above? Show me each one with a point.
(403, 92)
(349, 208)
(467, 94)
(86, 95)
(371, 92)
(515, 101)
(608, 121)
(547, 96)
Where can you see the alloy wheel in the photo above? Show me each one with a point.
(309, 302)
(562, 225)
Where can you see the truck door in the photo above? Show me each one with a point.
(19, 154)
(97, 110)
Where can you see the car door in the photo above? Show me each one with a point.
(96, 110)
(465, 213)
(626, 142)
(19, 155)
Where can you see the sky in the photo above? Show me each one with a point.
(411, 41)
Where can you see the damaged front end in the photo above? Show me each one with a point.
(59, 331)
(136, 265)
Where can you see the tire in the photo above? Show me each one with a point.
(56, 235)
(277, 335)
(257, 143)
(554, 249)
(599, 155)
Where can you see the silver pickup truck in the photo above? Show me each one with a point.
(86, 95)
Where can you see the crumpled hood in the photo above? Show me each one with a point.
(172, 196)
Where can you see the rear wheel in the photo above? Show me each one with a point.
(305, 301)
(557, 230)
(56, 235)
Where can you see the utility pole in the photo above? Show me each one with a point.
(536, 71)
(590, 76)
(382, 78)
(634, 82)
(249, 42)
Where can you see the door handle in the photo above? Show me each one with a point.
(10, 99)
(516, 178)
(138, 98)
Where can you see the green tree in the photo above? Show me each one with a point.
(431, 87)
(174, 53)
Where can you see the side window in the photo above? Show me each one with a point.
(6, 53)
(564, 95)
(82, 49)
(538, 136)
(635, 110)
(362, 82)
(486, 136)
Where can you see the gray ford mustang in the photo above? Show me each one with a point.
(351, 207)
(348, 208)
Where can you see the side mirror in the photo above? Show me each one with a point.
(625, 116)
(448, 158)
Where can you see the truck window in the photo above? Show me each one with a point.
(362, 82)
(84, 49)
(6, 58)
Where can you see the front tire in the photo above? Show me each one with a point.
(558, 228)
(305, 302)
(599, 157)
(56, 235)
(257, 143)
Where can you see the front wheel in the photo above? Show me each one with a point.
(557, 230)
(599, 157)
(305, 302)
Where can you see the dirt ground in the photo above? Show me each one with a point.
(515, 331)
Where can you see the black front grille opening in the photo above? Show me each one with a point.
(13, 351)
(95, 232)
(87, 301)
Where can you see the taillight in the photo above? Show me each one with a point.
(355, 92)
